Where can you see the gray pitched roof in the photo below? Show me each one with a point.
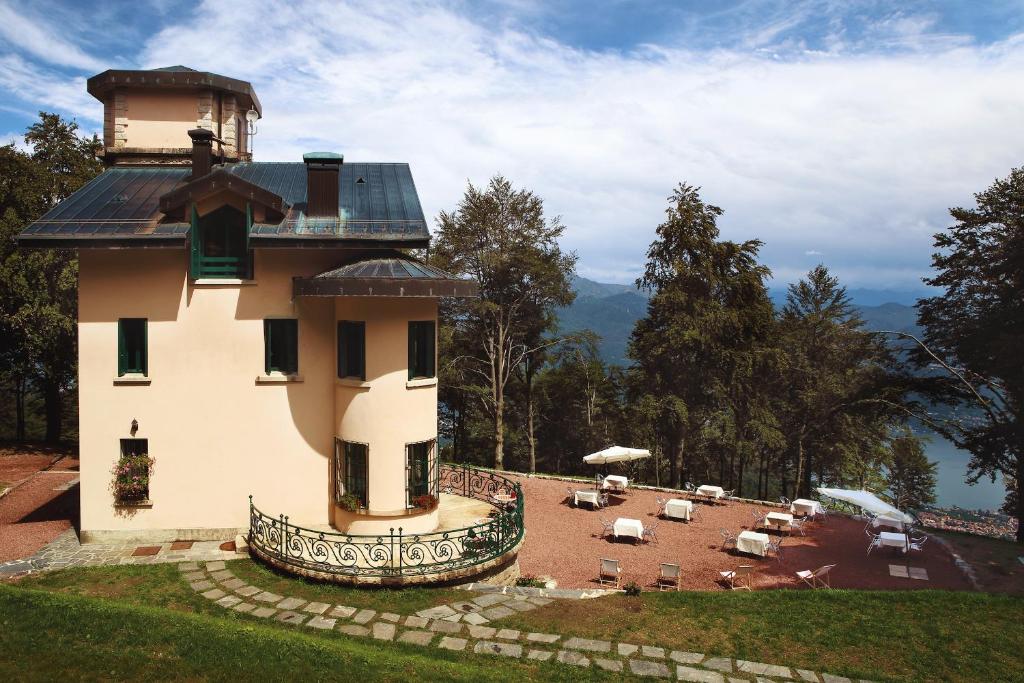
(385, 273)
(377, 204)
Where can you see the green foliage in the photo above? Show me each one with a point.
(349, 502)
(633, 589)
(975, 329)
(38, 288)
(529, 581)
(911, 477)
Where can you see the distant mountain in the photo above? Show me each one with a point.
(611, 310)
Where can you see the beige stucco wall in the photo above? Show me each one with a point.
(387, 413)
(160, 119)
(216, 433)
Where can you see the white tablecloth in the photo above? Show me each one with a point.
(711, 491)
(802, 506)
(586, 497)
(894, 540)
(779, 520)
(678, 509)
(628, 527)
(888, 522)
(753, 543)
(614, 481)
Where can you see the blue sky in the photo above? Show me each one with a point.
(836, 132)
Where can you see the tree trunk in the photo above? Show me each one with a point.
(1020, 496)
(531, 437)
(499, 432)
(677, 476)
(54, 409)
(19, 403)
(799, 462)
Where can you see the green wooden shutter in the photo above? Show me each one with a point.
(195, 245)
(429, 343)
(144, 349)
(248, 252)
(361, 334)
(292, 345)
(342, 342)
(412, 350)
(122, 350)
(266, 346)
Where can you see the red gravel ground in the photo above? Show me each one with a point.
(34, 512)
(564, 543)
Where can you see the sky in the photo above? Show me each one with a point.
(835, 132)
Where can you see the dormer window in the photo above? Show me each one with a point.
(220, 247)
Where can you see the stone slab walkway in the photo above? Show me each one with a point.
(66, 551)
(462, 626)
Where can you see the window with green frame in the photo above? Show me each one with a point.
(350, 471)
(421, 349)
(220, 244)
(352, 349)
(132, 356)
(281, 345)
(420, 470)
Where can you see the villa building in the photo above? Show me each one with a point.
(258, 329)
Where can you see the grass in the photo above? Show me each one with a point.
(162, 585)
(899, 635)
(46, 636)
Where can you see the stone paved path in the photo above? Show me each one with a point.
(462, 626)
(66, 551)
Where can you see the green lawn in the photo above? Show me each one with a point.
(899, 635)
(47, 637)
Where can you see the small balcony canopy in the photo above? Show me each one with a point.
(385, 273)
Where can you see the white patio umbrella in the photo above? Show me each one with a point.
(866, 500)
(616, 454)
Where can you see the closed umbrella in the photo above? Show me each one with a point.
(866, 500)
(616, 454)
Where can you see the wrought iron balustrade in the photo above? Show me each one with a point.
(396, 555)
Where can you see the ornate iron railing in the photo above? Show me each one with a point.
(397, 554)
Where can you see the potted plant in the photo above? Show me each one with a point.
(425, 502)
(349, 502)
(131, 478)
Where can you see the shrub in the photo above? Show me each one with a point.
(529, 581)
(632, 589)
(131, 477)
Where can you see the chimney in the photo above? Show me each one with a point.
(202, 151)
(322, 171)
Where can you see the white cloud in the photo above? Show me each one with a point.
(813, 252)
(857, 151)
(34, 35)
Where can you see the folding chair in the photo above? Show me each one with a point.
(736, 577)
(611, 572)
(671, 577)
(818, 578)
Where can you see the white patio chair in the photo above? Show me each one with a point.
(690, 490)
(822, 512)
(696, 514)
(818, 578)
(607, 528)
(738, 576)
(726, 494)
(797, 525)
(661, 505)
(611, 572)
(916, 542)
(759, 518)
(671, 577)
(785, 501)
(876, 541)
(727, 538)
(650, 533)
(775, 546)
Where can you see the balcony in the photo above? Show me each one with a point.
(448, 556)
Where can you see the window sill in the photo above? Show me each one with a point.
(133, 503)
(279, 379)
(352, 382)
(221, 281)
(132, 379)
(422, 382)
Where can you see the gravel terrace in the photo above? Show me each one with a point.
(565, 543)
(41, 506)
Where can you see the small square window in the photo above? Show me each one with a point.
(281, 343)
(421, 349)
(352, 349)
(131, 477)
(131, 347)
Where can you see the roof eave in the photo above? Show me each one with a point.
(436, 288)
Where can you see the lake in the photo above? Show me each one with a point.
(951, 489)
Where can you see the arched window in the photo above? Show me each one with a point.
(220, 244)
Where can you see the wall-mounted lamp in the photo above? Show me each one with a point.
(135, 426)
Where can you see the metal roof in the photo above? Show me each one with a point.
(120, 202)
(377, 204)
(387, 273)
(170, 77)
